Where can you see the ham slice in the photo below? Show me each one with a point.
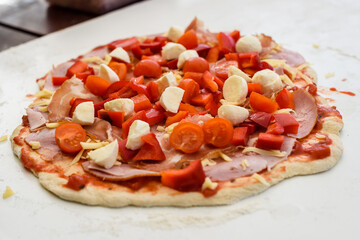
(59, 106)
(204, 35)
(48, 147)
(294, 59)
(36, 119)
(59, 71)
(117, 173)
(267, 44)
(305, 112)
(101, 129)
(224, 171)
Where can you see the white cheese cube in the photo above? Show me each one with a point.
(174, 33)
(108, 74)
(137, 129)
(235, 89)
(269, 80)
(84, 113)
(125, 105)
(121, 54)
(105, 156)
(248, 43)
(235, 114)
(165, 81)
(171, 98)
(186, 55)
(172, 50)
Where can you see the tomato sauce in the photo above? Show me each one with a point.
(343, 92)
(76, 182)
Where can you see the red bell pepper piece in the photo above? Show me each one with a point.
(235, 35)
(189, 39)
(154, 116)
(213, 55)
(83, 75)
(254, 87)
(153, 90)
(141, 102)
(249, 60)
(75, 103)
(151, 150)
(217, 96)
(261, 118)
(232, 57)
(172, 64)
(188, 108)
(139, 52)
(285, 99)
(251, 126)
(186, 179)
(140, 89)
(125, 153)
(261, 103)
(265, 65)
(155, 47)
(116, 86)
(209, 82)
(270, 141)
(226, 43)
(191, 89)
(202, 49)
(202, 99)
(77, 67)
(288, 122)
(222, 68)
(196, 76)
(57, 81)
(157, 58)
(163, 40)
(126, 44)
(103, 114)
(241, 136)
(176, 118)
(126, 125)
(212, 107)
(100, 105)
(117, 118)
(275, 128)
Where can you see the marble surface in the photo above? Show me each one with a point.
(321, 206)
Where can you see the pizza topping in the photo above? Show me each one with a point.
(171, 98)
(190, 178)
(151, 150)
(124, 105)
(35, 118)
(136, 131)
(84, 113)
(172, 50)
(269, 141)
(260, 178)
(175, 32)
(166, 81)
(235, 114)
(93, 145)
(248, 43)
(218, 132)
(120, 54)
(208, 184)
(294, 59)
(147, 68)
(108, 74)
(285, 99)
(184, 56)
(68, 137)
(187, 137)
(244, 163)
(105, 156)
(34, 144)
(46, 138)
(288, 122)
(269, 80)
(275, 153)
(76, 182)
(235, 89)
(232, 70)
(196, 64)
(241, 136)
(8, 192)
(261, 103)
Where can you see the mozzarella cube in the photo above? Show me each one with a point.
(174, 33)
(235, 89)
(269, 80)
(105, 156)
(84, 113)
(125, 105)
(165, 81)
(232, 70)
(235, 114)
(137, 129)
(172, 50)
(248, 43)
(108, 74)
(171, 98)
(186, 55)
(121, 54)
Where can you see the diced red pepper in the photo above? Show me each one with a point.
(275, 128)
(226, 43)
(254, 87)
(139, 52)
(217, 96)
(189, 39)
(126, 44)
(157, 106)
(261, 103)
(153, 90)
(285, 99)
(186, 179)
(196, 76)
(249, 60)
(232, 57)
(157, 58)
(235, 35)
(202, 49)
(212, 107)
(261, 118)
(117, 118)
(188, 108)
(154, 116)
(213, 55)
(176, 118)
(202, 99)
(116, 86)
(57, 81)
(140, 89)
(251, 126)
(163, 40)
(241, 136)
(209, 82)
(83, 75)
(270, 141)
(125, 153)
(100, 105)
(155, 47)
(172, 64)
(191, 89)
(151, 150)
(103, 114)
(288, 122)
(77, 67)
(265, 65)
(141, 102)
(126, 125)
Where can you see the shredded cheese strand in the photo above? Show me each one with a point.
(275, 153)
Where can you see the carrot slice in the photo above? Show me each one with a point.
(187, 137)
(218, 132)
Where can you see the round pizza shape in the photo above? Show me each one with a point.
(185, 118)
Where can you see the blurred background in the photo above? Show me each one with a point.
(24, 20)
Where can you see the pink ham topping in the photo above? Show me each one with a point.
(305, 112)
(100, 128)
(48, 147)
(294, 59)
(202, 33)
(58, 71)
(117, 173)
(59, 107)
(36, 119)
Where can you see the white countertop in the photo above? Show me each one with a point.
(321, 206)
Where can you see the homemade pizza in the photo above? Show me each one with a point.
(185, 118)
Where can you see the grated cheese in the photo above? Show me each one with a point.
(43, 109)
(275, 62)
(52, 125)
(160, 128)
(329, 75)
(225, 157)
(244, 163)
(284, 110)
(77, 157)
(3, 138)
(170, 128)
(306, 78)
(209, 184)
(302, 66)
(320, 136)
(286, 80)
(260, 179)
(166, 136)
(40, 103)
(35, 144)
(8, 192)
(44, 94)
(117, 163)
(316, 46)
(95, 145)
(94, 60)
(207, 162)
(275, 153)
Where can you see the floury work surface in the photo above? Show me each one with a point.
(319, 206)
